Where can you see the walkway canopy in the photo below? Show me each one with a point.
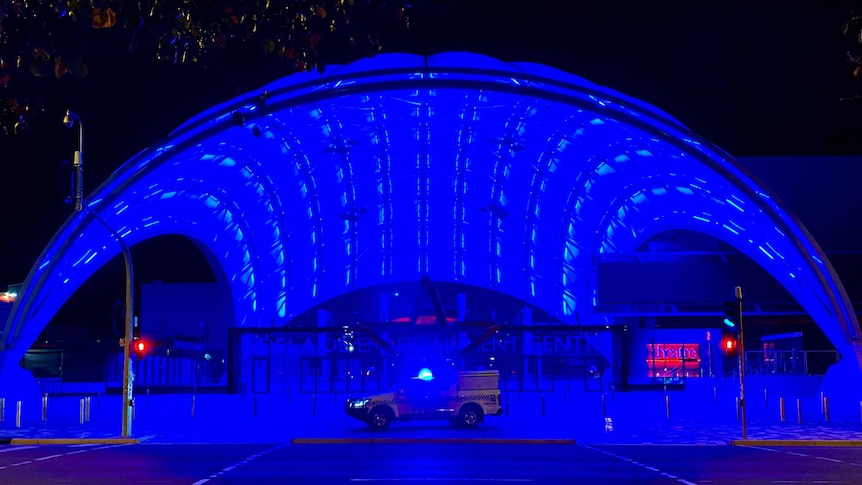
(464, 168)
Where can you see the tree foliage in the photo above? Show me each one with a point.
(44, 44)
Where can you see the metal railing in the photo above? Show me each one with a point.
(786, 362)
(789, 362)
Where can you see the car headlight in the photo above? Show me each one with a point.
(359, 403)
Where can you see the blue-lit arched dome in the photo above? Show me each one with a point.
(508, 176)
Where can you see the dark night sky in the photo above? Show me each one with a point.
(756, 78)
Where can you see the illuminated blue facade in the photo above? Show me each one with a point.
(508, 176)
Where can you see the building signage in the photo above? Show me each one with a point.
(673, 360)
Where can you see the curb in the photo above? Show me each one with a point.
(388, 441)
(796, 443)
(74, 441)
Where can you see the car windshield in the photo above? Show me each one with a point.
(414, 384)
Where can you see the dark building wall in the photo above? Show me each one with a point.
(687, 279)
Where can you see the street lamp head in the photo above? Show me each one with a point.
(68, 121)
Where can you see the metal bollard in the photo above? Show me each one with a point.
(193, 406)
(714, 394)
(3, 409)
(667, 405)
(765, 399)
(821, 402)
(781, 408)
(87, 408)
(314, 404)
(826, 409)
(45, 406)
(799, 411)
(134, 408)
(604, 409)
(148, 398)
(737, 408)
(81, 411)
(543, 404)
(18, 415)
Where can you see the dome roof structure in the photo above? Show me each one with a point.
(461, 167)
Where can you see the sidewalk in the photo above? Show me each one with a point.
(586, 419)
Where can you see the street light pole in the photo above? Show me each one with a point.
(69, 120)
(78, 162)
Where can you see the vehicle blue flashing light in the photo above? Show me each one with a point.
(425, 374)
(729, 323)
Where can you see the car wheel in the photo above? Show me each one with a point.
(470, 416)
(380, 417)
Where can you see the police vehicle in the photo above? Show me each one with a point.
(464, 400)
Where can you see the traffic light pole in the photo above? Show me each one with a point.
(741, 349)
(128, 378)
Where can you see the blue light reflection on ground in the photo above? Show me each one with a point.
(632, 417)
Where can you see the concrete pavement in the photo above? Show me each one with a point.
(585, 418)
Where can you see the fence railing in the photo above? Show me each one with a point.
(792, 362)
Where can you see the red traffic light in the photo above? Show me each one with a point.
(729, 344)
(140, 347)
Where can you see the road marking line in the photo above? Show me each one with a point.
(807, 481)
(16, 448)
(441, 479)
(104, 447)
(834, 460)
(240, 463)
(89, 448)
(92, 449)
(650, 443)
(794, 453)
(196, 443)
(767, 449)
(619, 457)
(828, 459)
(48, 457)
(773, 450)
